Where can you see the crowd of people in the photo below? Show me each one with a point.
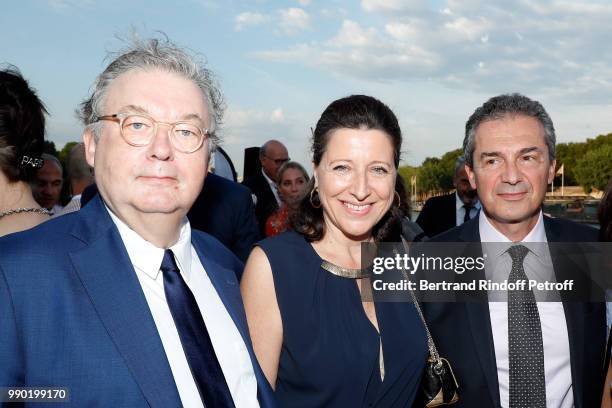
(162, 284)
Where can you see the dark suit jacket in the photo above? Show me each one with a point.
(224, 209)
(462, 331)
(439, 214)
(266, 202)
(73, 314)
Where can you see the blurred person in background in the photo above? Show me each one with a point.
(22, 128)
(292, 180)
(47, 185)
(272, 155)
(80, 175)
(444, 212)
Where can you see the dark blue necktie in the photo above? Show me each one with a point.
(468, 208)
(197, 346)
(525, 344)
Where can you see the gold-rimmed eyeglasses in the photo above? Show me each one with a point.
(139, 130)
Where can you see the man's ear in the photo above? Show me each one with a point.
(89, 140)
(471, 175)
(551, 171)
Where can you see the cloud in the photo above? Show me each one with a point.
(248, 18)
(67, 4)
(555, 47)
(277, 116)
(293, 20)
(392, 6)
(304, 2)
(290, 21)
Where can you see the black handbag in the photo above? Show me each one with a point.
(438, 385)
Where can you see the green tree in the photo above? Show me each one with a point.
(447, 168)
(49, 147)
(594, 169)
(430, 175)
(568, 154)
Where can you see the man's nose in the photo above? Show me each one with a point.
(161, 147)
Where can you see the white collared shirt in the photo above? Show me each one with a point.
(460, 210)
(537, 265)
(273, 187)
(225, 337)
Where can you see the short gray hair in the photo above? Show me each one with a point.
(501, 106)
(51, 158)
(155, 54)
(76, 164)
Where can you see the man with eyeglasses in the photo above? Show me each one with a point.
(122, 304)
(272, 155)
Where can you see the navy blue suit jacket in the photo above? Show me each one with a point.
(266, 202)
(439, 214)
(462, 330)
(73, 314)
(225, 210)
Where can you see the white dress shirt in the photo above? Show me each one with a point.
(73, 205)
(227, 341)
(537, 265)
(460, 210)
(273, 187)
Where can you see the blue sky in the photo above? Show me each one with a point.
(280, 63)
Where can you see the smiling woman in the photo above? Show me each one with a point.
(318, 342)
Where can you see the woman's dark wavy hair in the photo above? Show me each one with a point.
(605, 215)
(22, 125)
(353, 112)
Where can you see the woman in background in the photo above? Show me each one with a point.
(292, 180)
(318, 342)
(22, 128)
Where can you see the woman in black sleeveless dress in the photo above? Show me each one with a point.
(317, 341)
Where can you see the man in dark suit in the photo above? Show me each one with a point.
(122, 302)
(272, 155)
(224, 209)
(444, 212)
(521, 352)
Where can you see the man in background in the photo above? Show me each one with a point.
(225, 210)
(47, 185)
(444, 212)
(80, 175)
(272, 155)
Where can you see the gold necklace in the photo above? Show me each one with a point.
(345, 272)
(25, 210)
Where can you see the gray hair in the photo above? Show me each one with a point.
(155, 54)
(459, 163)
(501, 106)
(77, 166)
(51, 158)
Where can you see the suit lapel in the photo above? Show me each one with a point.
(565, 268)
(224, 282)
(479, 319)
(107, 274)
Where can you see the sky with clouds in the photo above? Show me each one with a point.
(280, 63)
